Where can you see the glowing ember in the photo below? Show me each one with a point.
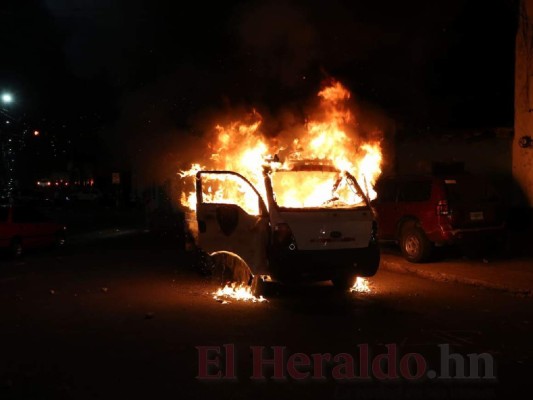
(237, 292)
(360, 286)
(331, 135)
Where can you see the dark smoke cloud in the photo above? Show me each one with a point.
(279, 38)
(179, 69)
(273, 66)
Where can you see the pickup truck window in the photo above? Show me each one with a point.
(314, 189)
(413, 191)
(229, 189)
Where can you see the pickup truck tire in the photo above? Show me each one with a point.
(343, 282)
(202, 263)
(370, 264)
(229, 269)
(259, 286)
(414, 244)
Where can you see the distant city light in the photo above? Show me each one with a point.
(7, 98)
(44, 183)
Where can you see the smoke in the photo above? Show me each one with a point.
(269, 56)
(156, 147)
(279, 39)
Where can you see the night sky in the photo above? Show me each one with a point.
(113, 77)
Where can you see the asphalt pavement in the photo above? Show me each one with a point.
(126, 316)
(511, 273)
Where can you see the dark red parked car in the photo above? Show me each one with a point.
(23, 227)
(419, 212)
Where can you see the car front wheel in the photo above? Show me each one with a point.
(414, 244)
(343, 282)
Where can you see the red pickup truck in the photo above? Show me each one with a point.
(420, 212)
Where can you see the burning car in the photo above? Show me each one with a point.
(303, 214)
(327, 232)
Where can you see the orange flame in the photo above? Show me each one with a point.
(330, 136)
(361, 285)
(237, 292)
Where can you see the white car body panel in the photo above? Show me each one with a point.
(228, 228)
(329, 229)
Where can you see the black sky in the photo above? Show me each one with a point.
(150, 67)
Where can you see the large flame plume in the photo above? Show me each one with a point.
(330, 136)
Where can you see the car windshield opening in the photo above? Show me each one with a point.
(315, 189)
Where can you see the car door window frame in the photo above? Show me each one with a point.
(199, 194)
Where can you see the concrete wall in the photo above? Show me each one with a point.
(523, 157)
(491, 155)
(487, 153)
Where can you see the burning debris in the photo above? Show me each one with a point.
(236, 292)
(361, 285)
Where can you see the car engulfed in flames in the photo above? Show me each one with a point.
(293, 207)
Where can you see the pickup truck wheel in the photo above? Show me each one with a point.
(203, 263)
(259, 286)
(343, 282)
(415, 245)
(229, 269)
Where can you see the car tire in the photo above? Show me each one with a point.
(343, 282)
(259, 286)
(203, 263)
(370, 263)
(15, 248)
(229, 269)
(415, 245)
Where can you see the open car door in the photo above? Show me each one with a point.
(232, 217)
